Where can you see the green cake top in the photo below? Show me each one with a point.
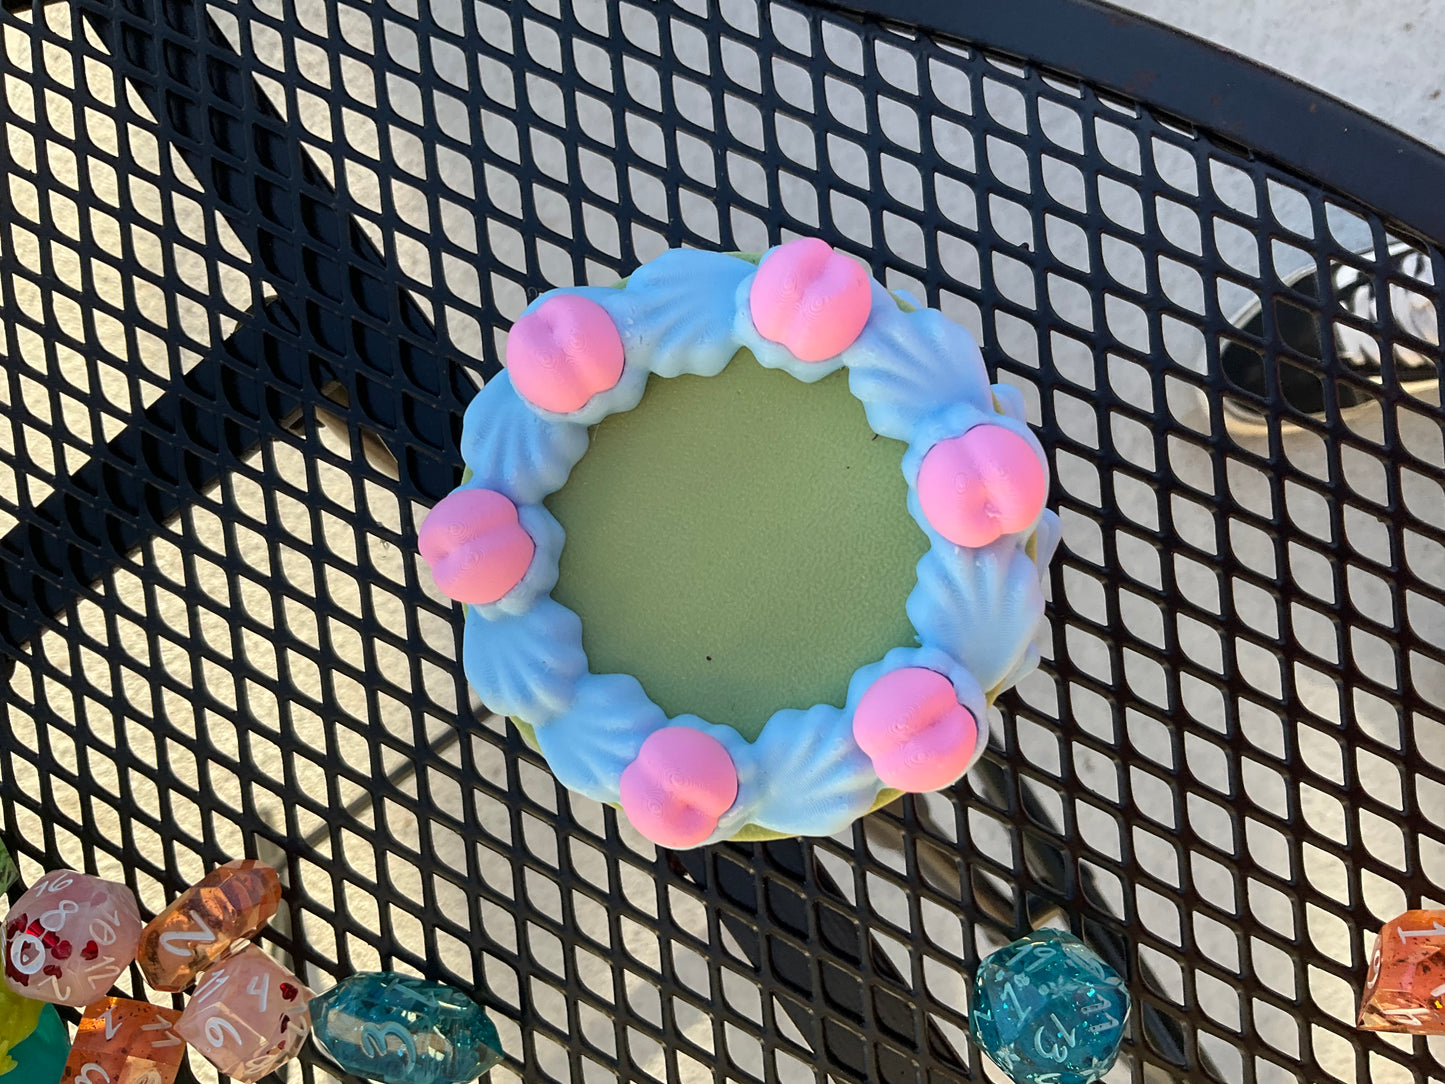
(735, 543)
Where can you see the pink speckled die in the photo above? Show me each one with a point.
(811, 298)
(477, 548)
(564, 352)
(248, 1016)
(981, 485)
(681, 783)
(69, 938)
(915, 731)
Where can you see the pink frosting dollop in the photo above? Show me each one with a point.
(681, 783)
(564, 352)
(979, 486)
(915, 731)
(810, 298)
(477, 549)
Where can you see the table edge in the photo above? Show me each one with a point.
(1268, 112)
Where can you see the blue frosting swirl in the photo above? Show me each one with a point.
(920, 378)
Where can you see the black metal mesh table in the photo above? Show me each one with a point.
(256, 256)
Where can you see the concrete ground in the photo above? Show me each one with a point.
(1381, 56)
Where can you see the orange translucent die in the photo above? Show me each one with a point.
(1405, 987)
(125, 1042)
(248, 1016)
(231, 903)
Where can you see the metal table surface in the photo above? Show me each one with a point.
(255, 257)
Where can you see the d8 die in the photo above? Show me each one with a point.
(248, 1016)
(1047, 1010)
(68, 939)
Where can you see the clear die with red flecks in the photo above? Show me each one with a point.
(69, 938)
(248, 1015)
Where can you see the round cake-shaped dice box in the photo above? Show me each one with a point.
(747, 544)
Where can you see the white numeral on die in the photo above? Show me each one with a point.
(217, 1029)
(55, 884)
(258, 990)
(49, 921)
(22, 946)
(374, 1036)
(1435, 928)
(180, 942)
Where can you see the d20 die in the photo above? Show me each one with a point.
(121, 1041)
(1047, 1010)
(248, 1016)
(1405, 986)
(402, 1030)
(68, 939)
(231, 903)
